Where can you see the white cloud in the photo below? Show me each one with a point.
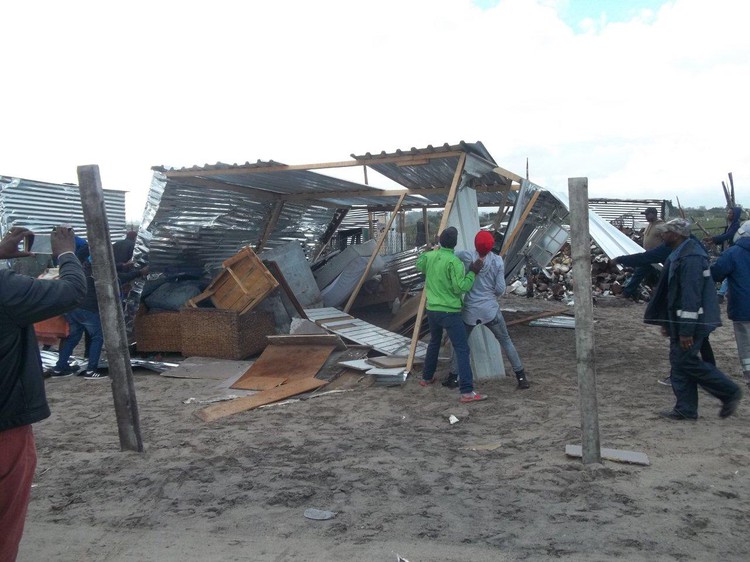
(646, 108)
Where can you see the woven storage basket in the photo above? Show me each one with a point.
(225, 334)
(157, 331)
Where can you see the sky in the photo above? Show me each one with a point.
(646, 98)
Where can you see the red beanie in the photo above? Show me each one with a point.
(483, 242)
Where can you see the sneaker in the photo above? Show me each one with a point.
(675, 415)
(472, 397)
(666, 381)
(427, 382)
(94, 376)
(730, 406)
(451, 381)
(63, 372)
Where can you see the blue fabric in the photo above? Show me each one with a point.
(734, 265)
(689, 371)
(450, 322)
(730, 231)
(81, 320)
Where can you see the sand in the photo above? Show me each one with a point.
(401, 479)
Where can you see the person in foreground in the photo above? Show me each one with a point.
(686, 307)
(445, 281)
(481, 306)
(734, 265)
(24, 301)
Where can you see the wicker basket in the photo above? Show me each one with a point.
(225, 334)
(157, 331)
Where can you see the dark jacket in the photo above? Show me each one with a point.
(730, 230)
(90, 301)
(685, 299)
(24, 301)
(654, 255)
(734, 264)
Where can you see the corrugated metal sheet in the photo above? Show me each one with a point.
(39, 206)
(628, 212)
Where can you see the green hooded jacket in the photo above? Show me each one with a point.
(446, 279)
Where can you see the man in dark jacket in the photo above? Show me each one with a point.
(733, 223)
(685, 305)
(734, 265)
(24, 301)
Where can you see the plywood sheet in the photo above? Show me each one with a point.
(258, 383)
(244, 403)
(292, 362)
(308, 339)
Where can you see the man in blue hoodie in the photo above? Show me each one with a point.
(733, 223)
(734, 266)
(686, 307)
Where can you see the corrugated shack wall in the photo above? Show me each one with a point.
(39, 206)
(189, 227)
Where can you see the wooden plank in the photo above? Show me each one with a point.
(389, 361)
(242, 404)
(616, 455)
(509, 239)
(536, 316)
(308, 339)
(259, 383)
(275, 270)
(292, 362)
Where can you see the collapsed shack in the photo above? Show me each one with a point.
(305, 228)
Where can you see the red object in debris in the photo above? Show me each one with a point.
(51, 330)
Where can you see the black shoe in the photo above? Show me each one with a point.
(451, 381)
(666, 382)
(64, 372)
(523, 383)
(94, 375)
(730, 406)
(675, 415)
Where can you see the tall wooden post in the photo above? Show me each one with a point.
(580, 245)
(110, 309)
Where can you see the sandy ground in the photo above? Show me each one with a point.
(400, 477)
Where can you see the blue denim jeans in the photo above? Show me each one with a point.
(81, 320)
(641, 272)
(689, 371)
(450, 322)
(500, 331)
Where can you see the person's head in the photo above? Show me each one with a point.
(742, 232)
(131, 234)
(674, 232)
(449, 237)
(651, 214)
(484, 242)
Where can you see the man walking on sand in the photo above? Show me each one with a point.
(481, 306)
(734, 266)
(24, 301)
(686, 307)
(445, 282)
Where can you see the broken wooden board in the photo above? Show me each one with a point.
(363, 332)
(259, 383)
(292, 362)
(332, 367)
(611, 455)
(407, 312)
(308, 339)
(242, 404)
(390, 361)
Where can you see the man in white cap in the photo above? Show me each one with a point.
(734, 266)
(686, 307)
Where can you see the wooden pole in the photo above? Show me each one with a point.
(375, 253)
(425, 226)
(110, 309)
(508, 240)
(270, 225)
(731, 191)
(443, 223)
(580, 243)
(500, 211)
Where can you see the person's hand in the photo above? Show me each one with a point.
(11, 240)
(476, 267)
(62, 239)
(686, 342)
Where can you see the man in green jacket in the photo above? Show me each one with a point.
(445, 282)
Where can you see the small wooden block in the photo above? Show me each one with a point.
(611, 455)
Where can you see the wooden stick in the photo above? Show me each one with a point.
(509, 240)
(443, 223)
(726, 194)
(536, 316)
(374, 255)
(682, 213)
(270, 225)
(110, 308)
(580, 246)
(696, 223)
(731, 183)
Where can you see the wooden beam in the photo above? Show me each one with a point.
(536, 316)
(507, 174)
(270, 225)
(500, 211)
(507, 241)
(443, 222)
(374, 255)
(404, 160)
(110, 308)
